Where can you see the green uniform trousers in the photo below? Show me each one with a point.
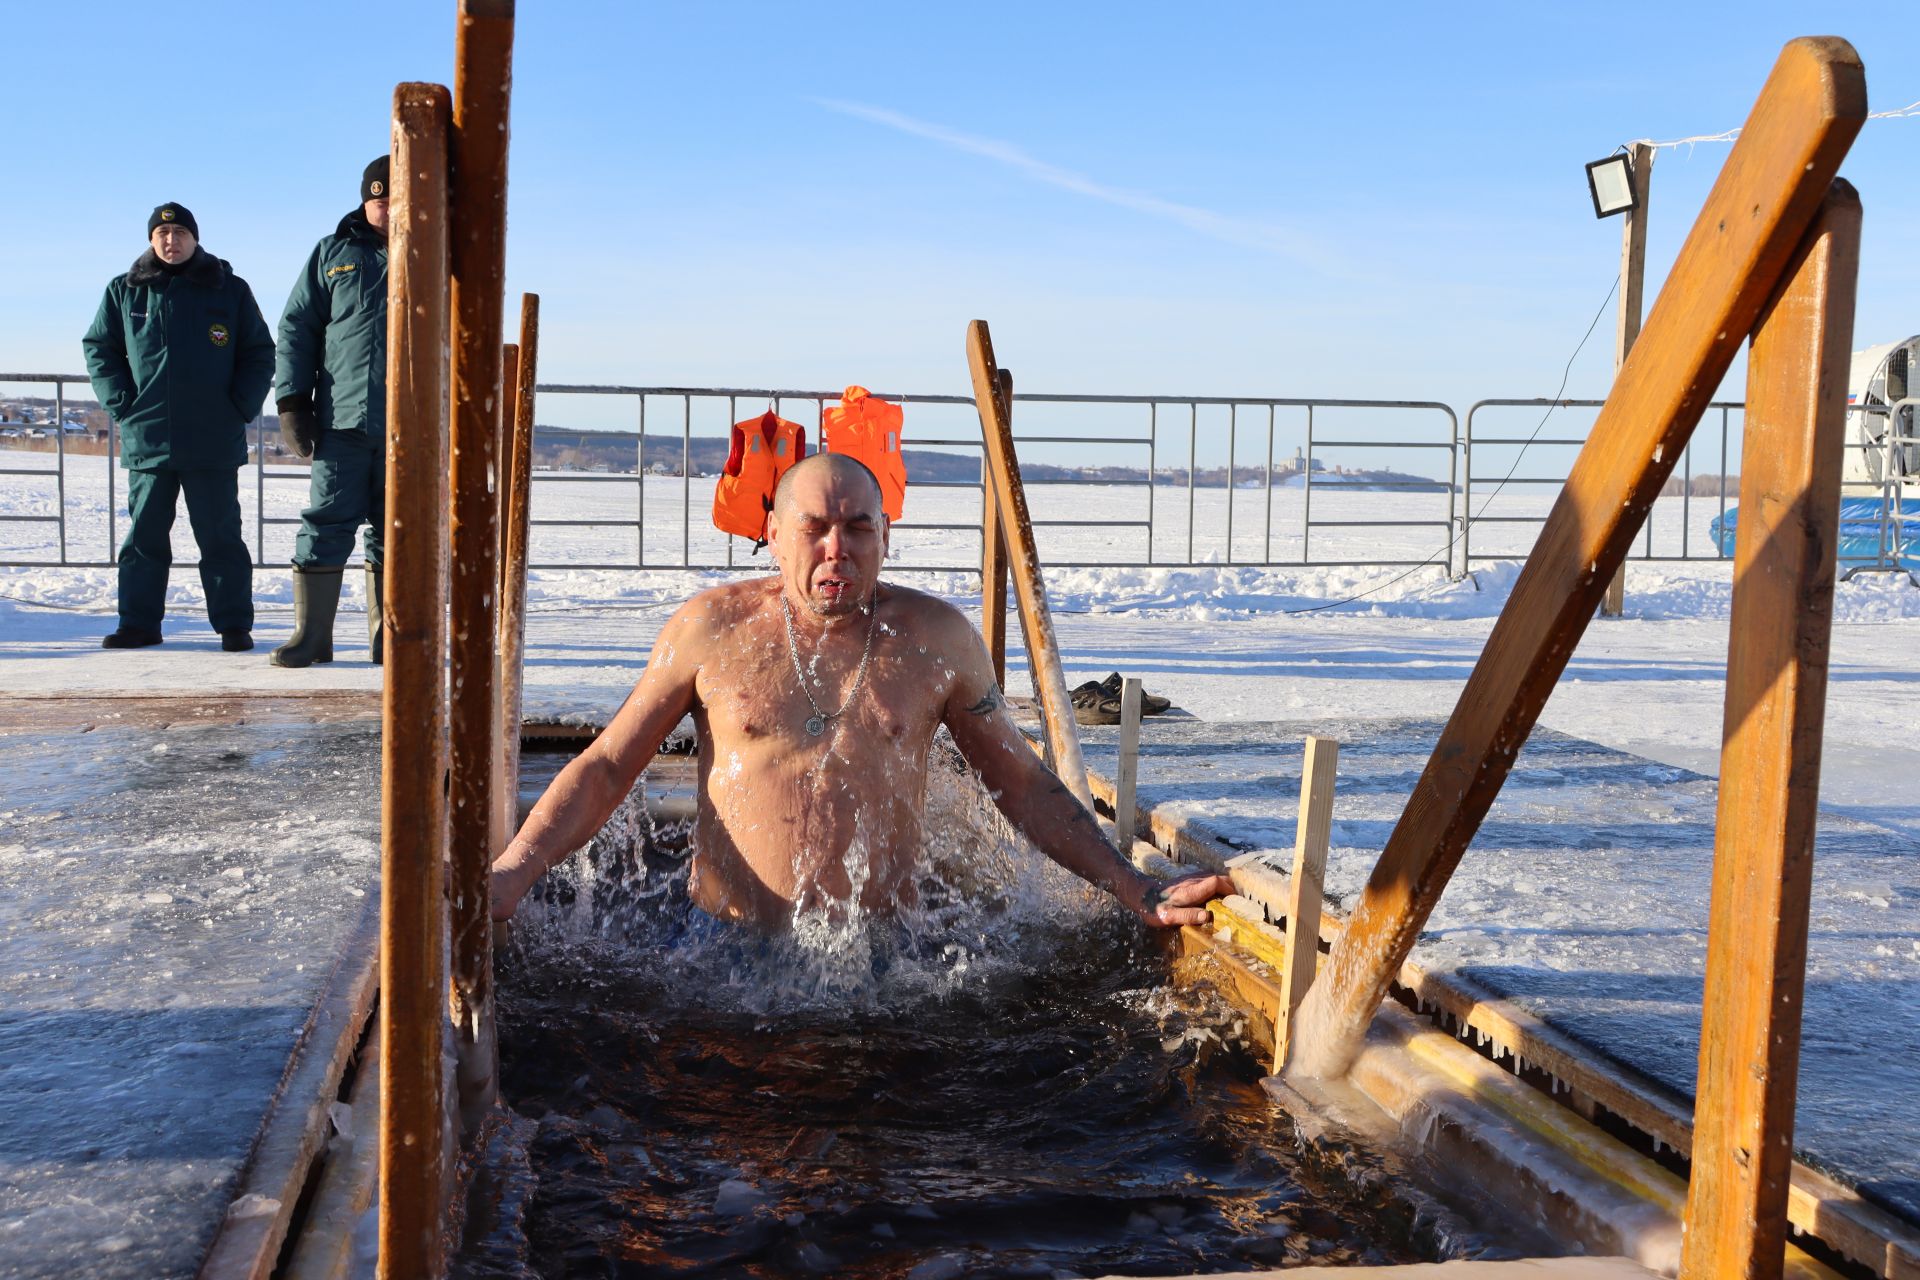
(226, 565)
(348, 488)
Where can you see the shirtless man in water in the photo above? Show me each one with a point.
(816, 694)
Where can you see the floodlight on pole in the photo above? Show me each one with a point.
(1611, 183)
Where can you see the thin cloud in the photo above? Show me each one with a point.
(1242, 232)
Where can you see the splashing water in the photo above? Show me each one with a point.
(995, 1080)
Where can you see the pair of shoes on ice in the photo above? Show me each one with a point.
(1098, 702)
(135, 638)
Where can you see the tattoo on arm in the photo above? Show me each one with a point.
(990, 702)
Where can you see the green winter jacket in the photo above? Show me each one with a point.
(333, 335)
(181, 361)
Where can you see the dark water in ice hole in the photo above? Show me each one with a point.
(1001, 1084)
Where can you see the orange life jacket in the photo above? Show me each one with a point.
(762, 450)
(867, 429)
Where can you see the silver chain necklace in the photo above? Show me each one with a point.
(817, 722)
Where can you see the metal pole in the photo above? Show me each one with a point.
(1306, 494)
(1233, 446)
(483, 77)
(260, 497)
(1193, 435)
(1633, 276)
(413, 822)
(732, 415)
(686, 480)
(1153, 449)
(60, 475)
(640, 503)
(1266, 544)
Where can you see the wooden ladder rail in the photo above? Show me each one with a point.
(483, 75)
(993, 556)
(1787, 156)
(413, 739)
(516, 492)
(1784, 566)
(1016, 525)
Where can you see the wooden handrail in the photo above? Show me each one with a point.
(413, 741)
(1043, 650)
(1783, 570)
(993, 559)
(483, 74)
(1775, 179)
(516, 494)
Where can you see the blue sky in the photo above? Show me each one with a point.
(1260, 199)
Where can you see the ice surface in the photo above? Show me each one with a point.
(1584, 899)
(167, 921)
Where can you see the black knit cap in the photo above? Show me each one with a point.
(175, 214)
(376, 181)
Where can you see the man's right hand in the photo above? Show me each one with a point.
(512, 874)
(299, 428)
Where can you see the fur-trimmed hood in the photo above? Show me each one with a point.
(202, 269)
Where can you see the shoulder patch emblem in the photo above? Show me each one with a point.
(217, 334)
(343, 267)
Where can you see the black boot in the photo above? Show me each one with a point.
(376, 599)
(316, 595)
(125, 637)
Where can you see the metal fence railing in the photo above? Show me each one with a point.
(1670, 532)
(1113, 481)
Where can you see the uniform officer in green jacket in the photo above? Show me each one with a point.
(330, 385)
(180, 357)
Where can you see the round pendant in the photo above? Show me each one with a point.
(816, 726)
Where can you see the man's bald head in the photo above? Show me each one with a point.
(836, 466)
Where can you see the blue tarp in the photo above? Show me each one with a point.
(1861, 530)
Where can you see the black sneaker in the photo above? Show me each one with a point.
(236, 641)
(1151, 704)
(129, 638)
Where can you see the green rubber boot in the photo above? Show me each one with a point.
(316, 596)
(376, 600)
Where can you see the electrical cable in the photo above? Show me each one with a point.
(1447, 551)
(1911, 109)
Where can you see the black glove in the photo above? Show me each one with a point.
(298, 427)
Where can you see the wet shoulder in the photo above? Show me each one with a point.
(718, 610)
(919, 614)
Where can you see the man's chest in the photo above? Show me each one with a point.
(768, 693)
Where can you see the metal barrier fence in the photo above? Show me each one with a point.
(1216, 516)
(1476, 483)
(1670, 532)
(1138, 432)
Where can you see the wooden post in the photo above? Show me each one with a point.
(1127, 774)
(1043, 651)
(1770, 758)
(1633, 286)
(483, 58)
(993, 557)
(516, 490)
(1766, 197)
(413, 742)
(1317, 769)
